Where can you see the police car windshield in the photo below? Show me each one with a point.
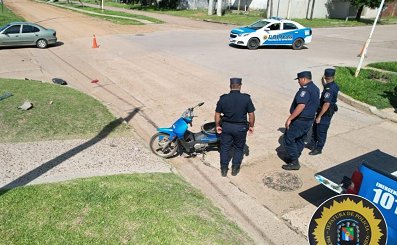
(259, 24)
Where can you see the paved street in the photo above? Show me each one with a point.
(163, 69)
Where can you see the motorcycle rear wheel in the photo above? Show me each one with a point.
(158, 141)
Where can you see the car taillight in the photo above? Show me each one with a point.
(356, 179)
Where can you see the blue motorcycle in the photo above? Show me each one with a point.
(178, 139)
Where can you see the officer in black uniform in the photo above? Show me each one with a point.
(303, 110)
(234, 106)
(325, 112)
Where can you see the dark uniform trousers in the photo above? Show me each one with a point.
(294, 137)
(320, 131)
(233, 135)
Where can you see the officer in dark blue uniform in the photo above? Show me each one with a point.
(234, 106)
(303, 110)
(325, 112)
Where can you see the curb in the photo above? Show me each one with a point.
(365, 107)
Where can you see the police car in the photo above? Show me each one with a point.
(273, 31)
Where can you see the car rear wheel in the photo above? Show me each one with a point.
(298, 44)
(41, 43)
(253, 43)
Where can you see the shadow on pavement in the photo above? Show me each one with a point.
(45, 167)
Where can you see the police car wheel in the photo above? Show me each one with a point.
(253, 43)
(298, 44)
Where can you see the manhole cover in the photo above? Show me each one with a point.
(282, 181)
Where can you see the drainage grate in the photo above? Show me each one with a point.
(282, 181)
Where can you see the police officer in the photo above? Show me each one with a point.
(325, 112)
(234, 106)
(303, 110)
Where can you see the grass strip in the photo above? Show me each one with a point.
(122, 209)
(110, 15)
(58, 112)
(388, 66)
(7, 16)
(243, 18)
(375, 88)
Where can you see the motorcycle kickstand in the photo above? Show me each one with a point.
(204, 154)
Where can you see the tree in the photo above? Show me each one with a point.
(360, 4)
(211, 7)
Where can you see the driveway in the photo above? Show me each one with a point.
(163, 69)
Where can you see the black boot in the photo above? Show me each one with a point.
(315, 151)
(235, 170)
(224, 172)
(294, 165)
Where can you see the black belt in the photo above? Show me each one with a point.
(242, 123)
(304, 118)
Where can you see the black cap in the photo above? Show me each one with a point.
(329, 72)
(235, 80)
(303, 74)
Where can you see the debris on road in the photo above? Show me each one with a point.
(26, 106)
(5, 95)
(59, 81)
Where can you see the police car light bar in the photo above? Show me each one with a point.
(276, 18)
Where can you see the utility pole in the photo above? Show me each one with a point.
(365, 48)
(278, 6)
(289, 8)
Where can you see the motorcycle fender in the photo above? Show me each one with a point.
(168, 131)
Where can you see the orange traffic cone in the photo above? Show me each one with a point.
(94, 44)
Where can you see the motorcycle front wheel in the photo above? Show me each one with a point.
(161, 145)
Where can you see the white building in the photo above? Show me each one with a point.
(290, 8)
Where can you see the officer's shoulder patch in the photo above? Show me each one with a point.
(302, 93)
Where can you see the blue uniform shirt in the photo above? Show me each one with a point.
(330, 93)
(235, 106)
(310, 96)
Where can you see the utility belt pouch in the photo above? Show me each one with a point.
(331, 110)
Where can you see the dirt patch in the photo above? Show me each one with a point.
(282, 181)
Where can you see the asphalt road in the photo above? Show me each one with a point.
(160, 70)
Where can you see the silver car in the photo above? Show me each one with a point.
(26, 34)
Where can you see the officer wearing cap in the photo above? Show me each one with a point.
(325, 112)
(234, 126)
(302, 112)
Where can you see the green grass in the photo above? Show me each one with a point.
(388, 66)
(121, 209)
(372, 87)
(71, 115)
(242, 18)
(7, 16)
(114, 13)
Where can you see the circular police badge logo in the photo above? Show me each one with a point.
(347, 220)
(265, 37)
